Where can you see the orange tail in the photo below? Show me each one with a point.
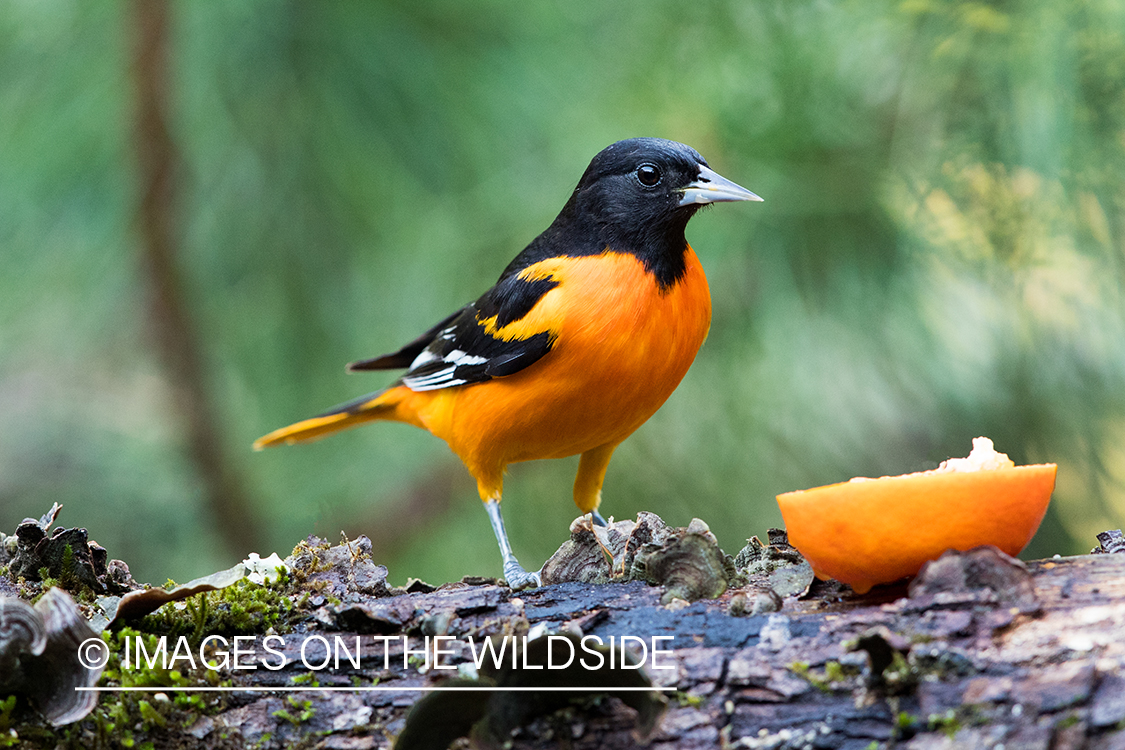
(368, 408)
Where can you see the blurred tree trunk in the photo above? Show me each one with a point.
(170, 318)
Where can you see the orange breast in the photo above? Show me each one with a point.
(621, 348)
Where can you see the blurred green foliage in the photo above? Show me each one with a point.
(940, 254)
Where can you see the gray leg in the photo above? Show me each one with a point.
(517, 577)
(598, 518)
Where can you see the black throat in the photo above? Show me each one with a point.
(657, 241)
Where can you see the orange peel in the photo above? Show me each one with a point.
(871, 531)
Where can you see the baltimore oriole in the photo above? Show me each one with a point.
(585, 335)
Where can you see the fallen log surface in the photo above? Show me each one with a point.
(979, 651)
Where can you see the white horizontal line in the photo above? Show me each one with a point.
(368, 689)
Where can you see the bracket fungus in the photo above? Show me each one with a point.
(40, 656)
(66, 554)
(687, 562)
(21, 634)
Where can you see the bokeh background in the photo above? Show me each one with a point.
(207, 209)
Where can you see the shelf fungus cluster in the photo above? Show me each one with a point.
(67, 555)
(39, 656)
(687, 562)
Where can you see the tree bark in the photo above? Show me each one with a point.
(173, 330)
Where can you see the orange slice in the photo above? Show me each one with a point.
(870, 531)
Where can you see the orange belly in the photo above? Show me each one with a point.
(621, 348)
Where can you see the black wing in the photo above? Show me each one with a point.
(404, 356)
(467, 346)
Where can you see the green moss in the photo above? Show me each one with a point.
(8, 735)
(302, 711)
(244, 608)
(136, 720)
(6, 707)
(833, 672)
(45, 578)
(126, 719)
(948, 723)
(309, 678)
(309, 560)
(197, 610)
(150, 715)
(899, 675)
(67, 577)
(684, 700)
(906, 724)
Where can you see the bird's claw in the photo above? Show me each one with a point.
(518, 578)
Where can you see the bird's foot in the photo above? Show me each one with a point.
(598, 519)
(518, 578)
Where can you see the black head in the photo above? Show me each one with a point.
(636, 197)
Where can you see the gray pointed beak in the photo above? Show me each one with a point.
(711, 187)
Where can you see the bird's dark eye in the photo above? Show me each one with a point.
(648, 175)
